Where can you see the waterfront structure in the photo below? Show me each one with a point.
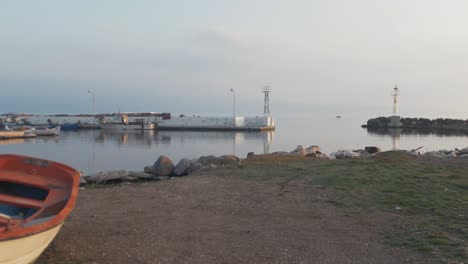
(164, 121)
(266, 106)
(257, 123)
(395, 121)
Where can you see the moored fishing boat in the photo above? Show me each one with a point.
(35, 198)
(121, 122)
(7, 133)
(69, 126)
(45, 131)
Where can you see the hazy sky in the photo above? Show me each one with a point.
(184, 56)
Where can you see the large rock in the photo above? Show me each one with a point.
(195, 166)
(344, 154)
(208, 160)
(150, 170)
(362, 153)
(163, 166)
(372, 149)
(463, 151)
(213, 161)
(142, 175)
(181, 169)
(107, 176)
(229, 159)
(312, 150)
(299, 151)
(83, 181)
(82, 178)
(317, 155)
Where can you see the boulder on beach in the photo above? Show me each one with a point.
(372, 149)
(163, 166)
(312, 150)
(207, 160)
(317, 155)
(229, 159)
(107, 176)
(222, 160)
(83, 181)
(463, 151)
(344, 154)
(362, 153)
(250, 155)
(194, 166)
(142, 175)
(82, 178)
(150, 170)
(299, 150)
(181, 169)
(305, 151)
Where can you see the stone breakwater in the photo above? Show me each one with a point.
(163, 168)
(434, 125)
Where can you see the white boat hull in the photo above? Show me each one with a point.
(45, 132)
(111, 126)
(27, 249)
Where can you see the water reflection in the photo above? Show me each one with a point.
(395, 134)
(12, 141)
(97, 150)
(149, 138)
(418, 132)
(423, 136)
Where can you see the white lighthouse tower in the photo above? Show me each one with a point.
(395, 118)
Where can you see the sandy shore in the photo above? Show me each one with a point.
(223, 216)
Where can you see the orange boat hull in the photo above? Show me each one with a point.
(36, 196)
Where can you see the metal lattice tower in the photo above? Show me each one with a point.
(395, 100)
(266, 108)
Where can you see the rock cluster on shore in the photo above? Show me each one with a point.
(448, 153)
(163, 168)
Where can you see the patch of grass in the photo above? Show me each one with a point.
(431, 194)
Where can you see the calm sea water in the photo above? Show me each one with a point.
(94, 151)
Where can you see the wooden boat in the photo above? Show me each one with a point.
(15, 134)
(35, 198)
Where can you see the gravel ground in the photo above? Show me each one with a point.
(209, 219)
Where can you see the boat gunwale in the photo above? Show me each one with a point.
(59, 217)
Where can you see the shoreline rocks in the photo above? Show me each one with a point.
(421, 124)
(163, 166)
(164, 169)
(186, 167)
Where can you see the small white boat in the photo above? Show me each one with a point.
(7, 133)
(54, 131)
(122, 123)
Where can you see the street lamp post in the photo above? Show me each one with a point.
(94, 117)
(234, 104)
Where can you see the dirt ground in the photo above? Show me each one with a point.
(210, 219)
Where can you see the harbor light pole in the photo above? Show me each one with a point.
(234, 105)
(94, 117)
